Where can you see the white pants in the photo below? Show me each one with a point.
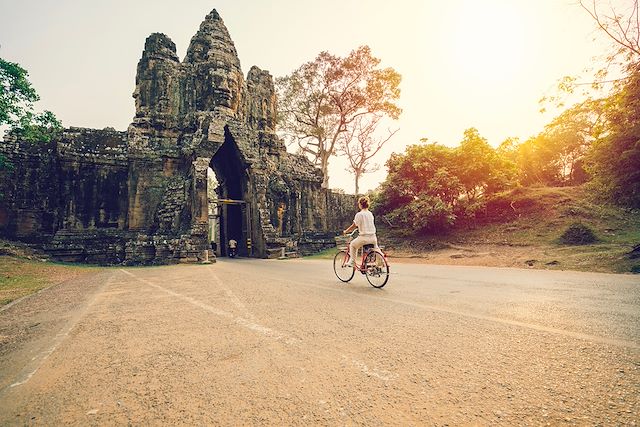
(358, 242)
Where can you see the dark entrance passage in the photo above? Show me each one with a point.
(232, 212)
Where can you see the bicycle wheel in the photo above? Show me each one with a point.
(377, 269)
(342, 272)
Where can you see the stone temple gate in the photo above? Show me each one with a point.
(142, 196)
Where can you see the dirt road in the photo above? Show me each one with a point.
(253, 342)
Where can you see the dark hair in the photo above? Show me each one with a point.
(363, 202)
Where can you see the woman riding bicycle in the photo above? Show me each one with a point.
(365, 224)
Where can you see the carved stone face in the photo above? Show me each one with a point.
(217, 80)
(198, 51)
(225, 88)
(155, 88)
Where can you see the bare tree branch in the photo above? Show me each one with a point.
(360, 145)
(627, 38)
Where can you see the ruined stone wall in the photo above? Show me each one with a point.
(86, 200)
(343, 208)
(29, 206)
(69, 195)
(340, 208)
(77, 182)
(93, 170)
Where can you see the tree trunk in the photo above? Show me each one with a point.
(357, 183)
(324, 166)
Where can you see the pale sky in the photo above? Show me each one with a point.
(464, 63)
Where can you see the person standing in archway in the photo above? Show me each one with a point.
(233, 245)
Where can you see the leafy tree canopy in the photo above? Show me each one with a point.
(614, 158)
(16, 106)
(431, 186)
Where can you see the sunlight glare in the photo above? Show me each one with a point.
(490, 40)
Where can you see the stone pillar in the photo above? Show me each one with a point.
(199, 208)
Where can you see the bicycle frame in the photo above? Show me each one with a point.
(361, 267)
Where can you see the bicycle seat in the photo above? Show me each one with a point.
(368, 247)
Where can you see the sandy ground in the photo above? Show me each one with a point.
(255, 342)
(605, 258)
(476, 255)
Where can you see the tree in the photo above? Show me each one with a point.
(570, 135)
(614, 158)
(420, 192)
(556, 155)
(40, 127)
(16, 109)
(621, 25)
(16, 106)
(432, 187)
(532, 162)
(16, 93)
(324, 98)
(359, 145)
(480, 168)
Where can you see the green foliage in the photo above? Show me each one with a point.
(42, 127)
(4, 163)
(578, 234)
(422, 170)
(424, 214)
(525, 223)
(614, 159)
(430, 187)
(16, 93)
(555, 157)
(16, 107)
(599, 138)
(480, 168)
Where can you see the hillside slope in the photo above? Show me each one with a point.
(523, 228)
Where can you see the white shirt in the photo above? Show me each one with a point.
(364, 221)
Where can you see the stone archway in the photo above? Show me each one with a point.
(232, 199)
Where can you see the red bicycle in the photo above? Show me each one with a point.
(373, 264)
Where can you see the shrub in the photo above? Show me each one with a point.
(634, 253)
(578, 234)
(426, 214)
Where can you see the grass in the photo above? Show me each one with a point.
(596, 257)
(326, 254)
(552, 216)
(20, 277)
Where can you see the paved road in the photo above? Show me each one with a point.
(283, 342)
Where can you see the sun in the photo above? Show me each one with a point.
(490, 39)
